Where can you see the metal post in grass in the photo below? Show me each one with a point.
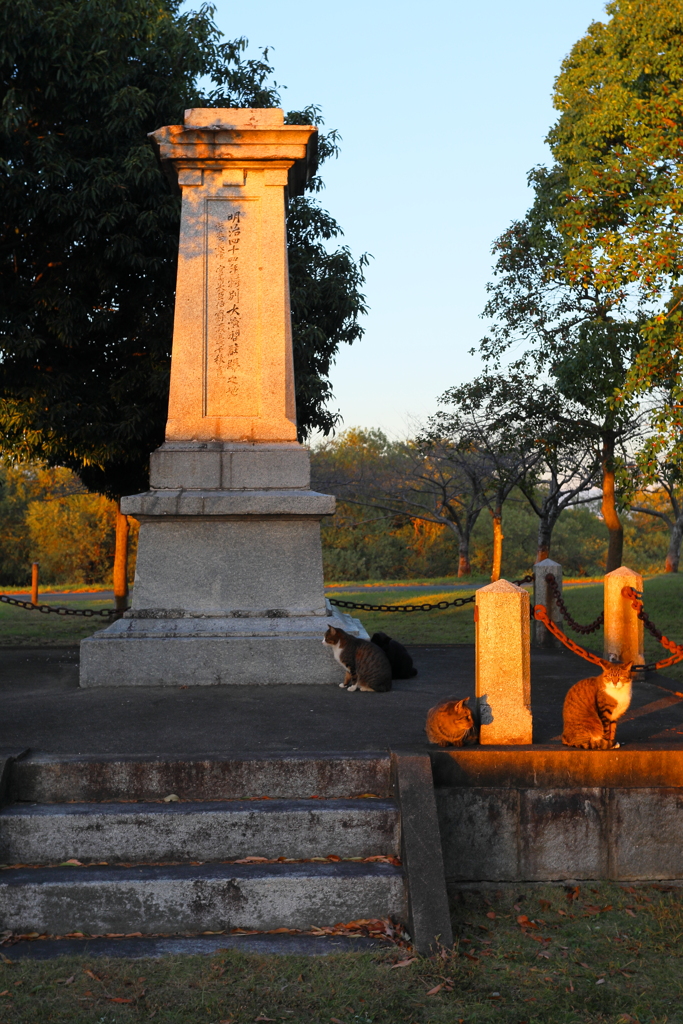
(121, 563)
(624, 639)
(543, 594)
(34, 582)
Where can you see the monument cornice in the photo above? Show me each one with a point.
(294, 147)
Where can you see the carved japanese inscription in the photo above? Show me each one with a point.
(231, 356)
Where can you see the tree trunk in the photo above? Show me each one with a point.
(545, 532)
(673, 555)
(464, 568)
(121, 562)
(609, 510)
(497, 545)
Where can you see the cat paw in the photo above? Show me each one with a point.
(352, 688)
(342, 686)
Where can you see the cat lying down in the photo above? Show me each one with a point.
(367, 666)
(451, 724)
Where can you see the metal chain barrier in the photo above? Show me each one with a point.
(541, 614)
(553, 586)
(636, 600)
(88, 613)
(441, 605)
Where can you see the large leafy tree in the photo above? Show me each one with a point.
(619, 140)
(578, 335)
(89, 229)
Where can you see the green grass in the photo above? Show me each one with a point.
(21, 627)
(663, 603)
(607, 955)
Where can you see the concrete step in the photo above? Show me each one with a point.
(209, 897)
(209, 831)
(46, 779)
(196, 945)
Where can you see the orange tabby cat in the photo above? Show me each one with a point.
(592, 707)
(451, 724)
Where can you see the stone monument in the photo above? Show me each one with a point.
(228, 583)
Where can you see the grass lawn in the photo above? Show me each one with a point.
(663, 603)
(19, 626)
(523, 955)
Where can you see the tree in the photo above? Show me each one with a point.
(89, 230)
(581, 337)
(619, 140)
(425, 481)
(479, 433)
(657, 482)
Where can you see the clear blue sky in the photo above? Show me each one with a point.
(443, 107)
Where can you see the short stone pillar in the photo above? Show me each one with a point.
(229, 581)
(541, 635)
(503, 674)
(623, 629)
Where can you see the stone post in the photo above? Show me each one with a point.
(623, 629)
(228, 582)
(503, 676)
(542, 637)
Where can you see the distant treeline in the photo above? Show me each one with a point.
(47, 516)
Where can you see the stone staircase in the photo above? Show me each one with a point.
(156, 865)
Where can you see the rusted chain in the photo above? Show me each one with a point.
(46, 609)
(458, 602)
(636, 600)
(552, 585)
(541, 614)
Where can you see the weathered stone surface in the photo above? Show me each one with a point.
(503, 673)
(207, 897)
(45, 779)
(214, 651)
(237, 384)
(228, 503)
(646, 833)
(541, 635)
(207, 831)
(245, 566)
(480, 833)
(623, 630)
(429, 917)
(563, 833)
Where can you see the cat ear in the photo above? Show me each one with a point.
(628, 667)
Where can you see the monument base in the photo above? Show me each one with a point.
(214, 651)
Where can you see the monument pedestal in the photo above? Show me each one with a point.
(228, 583)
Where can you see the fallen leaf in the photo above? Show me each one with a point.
(252, 860)
(266, 1018)
(333, 857)
(562, 912)
(171, 798)
(118, 999)
(134, 935)
(70, 981)
(470, 957)
(600, 981)
(87, 992)
(433, 991)
(403, 963)
(334, 1020)
(588, 968)
(544, 903)
(5, 993)
(524, 922)
(91, 974)
(491, 915)
(630, 912)
(72, 862)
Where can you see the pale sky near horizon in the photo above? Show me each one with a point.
(442, 109)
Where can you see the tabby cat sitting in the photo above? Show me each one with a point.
(593, 706)
(367, 666)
